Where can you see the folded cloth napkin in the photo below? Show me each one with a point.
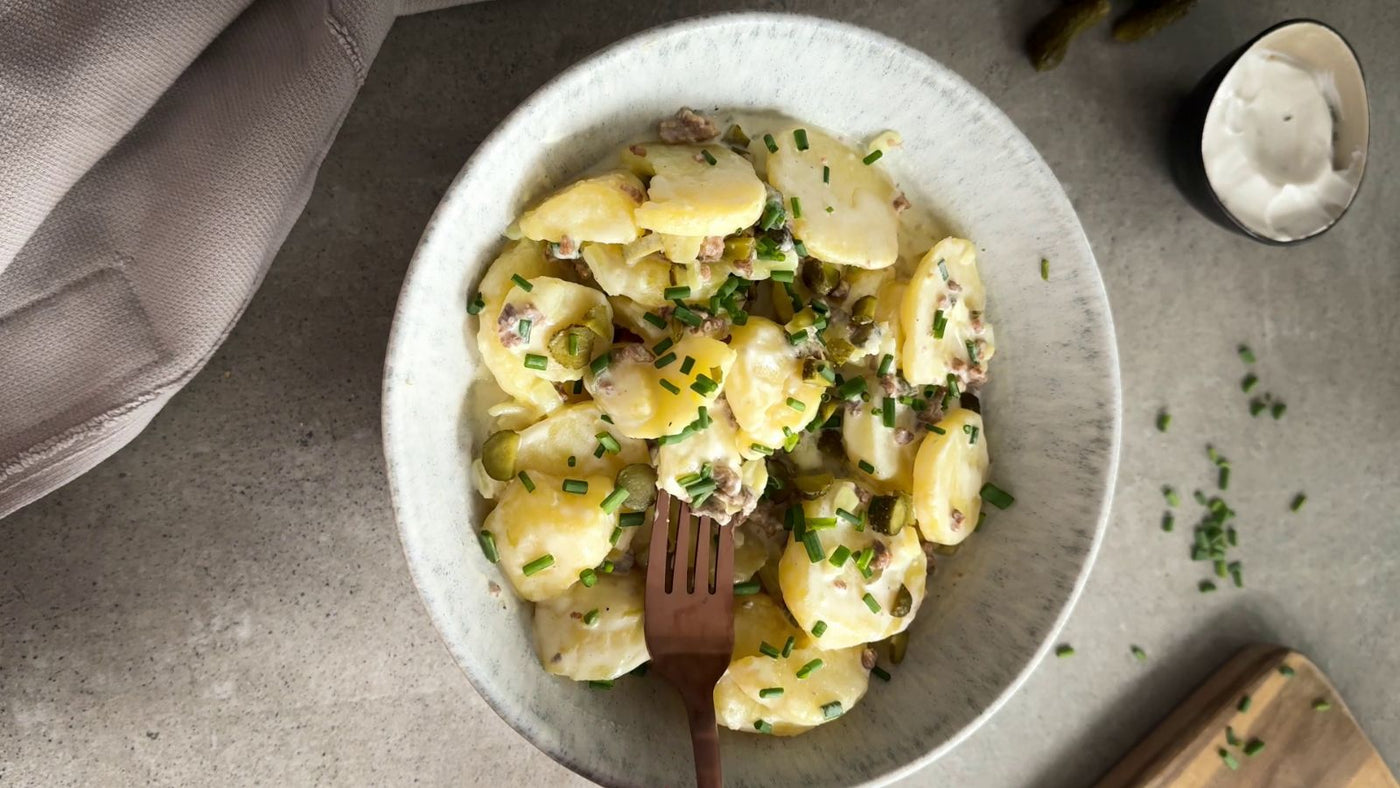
(153, 156)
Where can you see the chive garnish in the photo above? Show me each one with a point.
(782, 275)
(1205, 587)
(575, 486)
(704, 386)
(614, 500)
(1168, 521)
(1256, 406)
(746, 588)
(771, 692)
(818, 629)
(1277, 410)
(477, 304)
(866, 466)
(600, 684)
(1249, 382)
(853, 519)
(521, 282)
(655, 319)
(851, 388)
(1246, 354)
(488, 546)
(1044, 269)
(768, 650)
(1298, 501)
(796, 208)
(971, 430)
(761, 449)
(526, 480)
(943, 270)
(709, 157)
(632, 519)
(863, 560)
(820, 523)
(826, 174)
(1321, 705)
(597, 365)
(588, 577)
(1254, 747)
(810, 668)
(796, 404)
(840, 555)
(678, 293)
(940, 323)
(702, 417)
(813, 543)
(687, 365)
(686, 316)
(971, 351)
(763, 726)
(799, 136)
(669, 358)
(669, 386)
(1139, 654)
(1228, 759)
(536, 361)
(1171, 495)
(615, 536)
(832, 710)
(608, 442)
(538, 565)
(771, 143)
(787, 646)
(701, 488)
(799, 247)
(873, 157)
(1064, 651)
(886, 365)
(1285, 671)
(1223, 480)
(937, 430)
(829, 209)
(870, 602)
(590, 618)
(996, 496)
(1164, 420)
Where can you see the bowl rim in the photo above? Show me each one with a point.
(1226, 65)
(494, 700)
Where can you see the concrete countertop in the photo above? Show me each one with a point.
(225, 601)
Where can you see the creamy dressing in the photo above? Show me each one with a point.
(1269, 147)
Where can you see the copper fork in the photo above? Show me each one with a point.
(689, 620)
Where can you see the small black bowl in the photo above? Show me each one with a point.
(1312, 43)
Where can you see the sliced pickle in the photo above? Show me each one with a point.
(889, 514)
(639, 480)
(498, 455)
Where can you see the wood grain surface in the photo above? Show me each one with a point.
(1304, 746)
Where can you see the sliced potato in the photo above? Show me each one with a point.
(632, 316)
(682, 249)
(599, 209)
(765, 387)
(572, 431)
(552, 305)
(629, 390)
(613, 644)
(527, 260)
(821, 591)
(752, 550)
(840, 679)
(948, 477)
(739, 481)
(945, 286)
(758, 620)
(573, 529)
(643, 281)
(868, 440)
(861, 229)
(688, 196)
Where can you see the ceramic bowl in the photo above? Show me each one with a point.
(1052, 408)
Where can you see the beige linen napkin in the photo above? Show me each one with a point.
(153, 156)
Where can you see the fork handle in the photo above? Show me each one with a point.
(704, 736)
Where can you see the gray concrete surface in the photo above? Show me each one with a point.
(225, 601)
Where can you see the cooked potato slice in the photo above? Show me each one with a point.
(682, 249)
(890, 451)
(599, 209)
(527, 260)
(946, 287)
(765, 387)
(738, 482)
(802, 705)
(948, 477)
(644, 281)
(572, 431)
(631, 315)
(630, 389)
(758, 620)
(820, 591)
(573, 529)
(551, 305)
(689, 196)
(567, 644)
(861, 229)
(753, 548)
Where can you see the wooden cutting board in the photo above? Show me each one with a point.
(1303, 746)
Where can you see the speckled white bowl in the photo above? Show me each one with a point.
(1052, 407)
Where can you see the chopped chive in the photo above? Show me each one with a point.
(1064, 651)
(669, 386)
(536, 361)
(829, 209)
(632, 519)
(1139, 654)
(851, 388)
(767, 649)
(866, 466)
(538, 565)
(873, 157)
(599, 451)
(799, 136)
(796, 208)
(655, 319)
(787, 646)
(590, 618)
(1170, 494)
(761, 449)
(887, 413)
(1254, 747)
(702, 417)
(853, 519)
(981, 518)
(709, 157)
(678, 293)
(526, 480)
(614, 500)
(597, 365)
(940, 323)
(1044, 269)
(1246, 354)
(575, 486)
(704, 386)
(488, 546)
(477, 304)
(1168, 522)
(1286, 671)
(607, 418)
(796, 404)
(818, 629)
(810, 668)
(1205, 587)
(813, 543)
(746, 588)
(662, 346)
(820, 523)
(1249, 382)
(1298, 501)
(608, 442)
(1321, 705)
(771, 143)
(886, 365)
(880, 673)
(669, 358)
(701, 488)
(1256, 406)
(588, 577)
(870, 602)
(1220, 569)
(1237, 574)
(943, 270)
(826, 174)
(578, 384)
(996, 496)
(521, 282)
(685, 315)
(971, 351)
(799, 247)
(615, 536)
(840, 555)
(832, 710)
(1277, 410)
(971, 430)
(600, 684)
(1230, 737)
(1228, 759)
(763, 726)
(782, 275)
(573, 343)
(771, 692)
(1223, 479)
(937, 430)
(687, 365)
(1164, 420)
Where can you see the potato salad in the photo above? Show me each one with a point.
(747, 314)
